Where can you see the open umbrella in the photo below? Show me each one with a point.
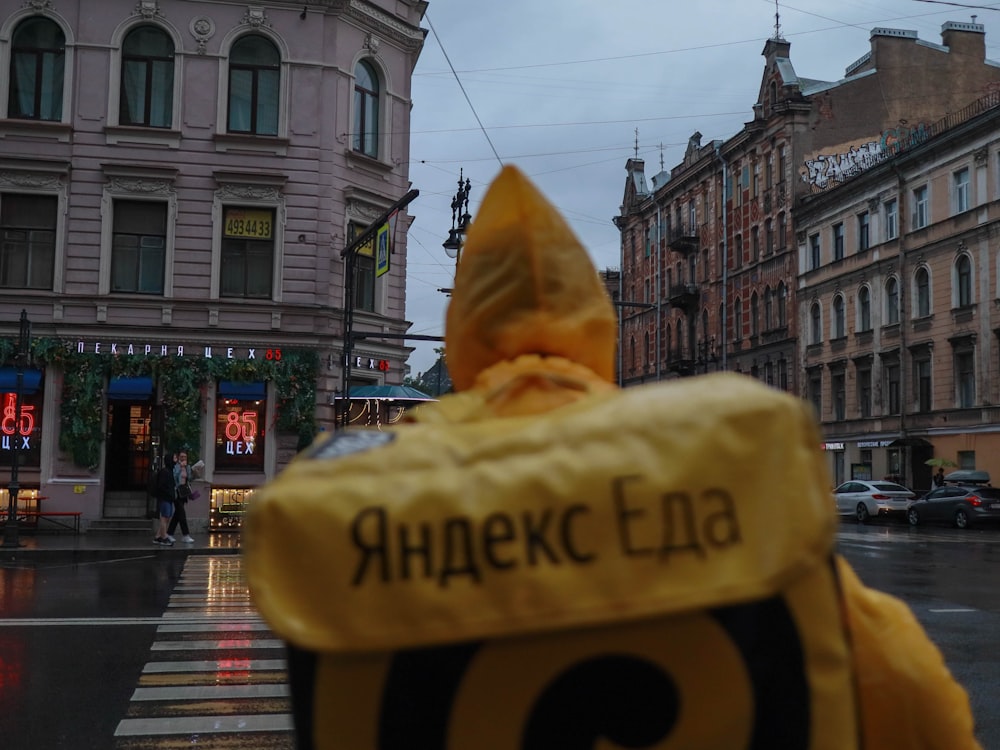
(943, 462)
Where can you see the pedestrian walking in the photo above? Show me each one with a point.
(939, 477)
(165, 492)
(182, 478)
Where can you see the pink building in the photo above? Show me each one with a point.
(178, 182)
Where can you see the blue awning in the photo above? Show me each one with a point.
(248, 391)
(30, 381)
(130, 389)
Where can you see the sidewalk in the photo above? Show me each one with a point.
(50, 547)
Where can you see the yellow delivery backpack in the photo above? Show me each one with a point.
(648, 568)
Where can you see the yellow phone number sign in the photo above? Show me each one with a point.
(248, 223)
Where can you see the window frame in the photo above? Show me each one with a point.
(815, 323)
(922, 292)
(864, 313)
(891, 301)
(838, 317)
(235, 195)
(226, 102)
(964, 364)
(33, 248)
(815, 251)
(890, 211)
(361, 98)
(117, 206)
(962, 271)
(864, 231)
(170, 98)
(921, 207)
(961, 190)
(838, 241)
(9, 31)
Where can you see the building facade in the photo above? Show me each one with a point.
(179, 180)
(898, 305)
(710, 246)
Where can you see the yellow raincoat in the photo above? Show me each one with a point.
(542, 560)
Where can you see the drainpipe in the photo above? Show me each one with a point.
(900, 202)
(659, 296)
(725, 259)
(621, 317)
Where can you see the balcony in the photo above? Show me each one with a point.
(684, 296)
(683, 239)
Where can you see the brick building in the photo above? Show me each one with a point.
(178, 180)
(711, 245)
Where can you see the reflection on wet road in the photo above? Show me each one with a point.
(216, 676)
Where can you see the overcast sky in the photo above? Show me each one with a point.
(561, 86)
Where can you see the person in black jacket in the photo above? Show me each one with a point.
(165, 495)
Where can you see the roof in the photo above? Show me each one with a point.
(390, 392)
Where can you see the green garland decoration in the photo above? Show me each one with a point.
(182, 380)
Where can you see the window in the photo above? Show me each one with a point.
(769, 236)
(239, 423)
(920, 207)
(247, 253)
(738, 254)
(922, 279)
(782, 163)
(755, 243)
(922, 383)
(37, 65)
(890, 212)
(813, 252)
(27, 241)
(864, 309)
(738, 319)
(960, 190)
(864, 220)
(891, 301)
(838, 241)
(138, 247)
(364, 273)
(816, 324)
(754, 315)
(816, 391)
(782, 305)
(782, 236)
(783, 374)
(963, 281)
(768, 309)
(366, 109)
(864, 391)
(838, 318)
(891, 404)
(965, 379)
(838, 386)
(147, 85)
(254, 86)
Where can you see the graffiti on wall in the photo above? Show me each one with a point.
(825, 170)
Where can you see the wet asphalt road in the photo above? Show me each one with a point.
(82, 632)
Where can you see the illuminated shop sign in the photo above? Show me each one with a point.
(239, 437)
(367, 363)
(170, 350)
(833, 446)
(874, 443)
(21, 434)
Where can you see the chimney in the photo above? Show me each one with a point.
(965, 38)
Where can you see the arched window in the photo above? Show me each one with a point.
(782, 305)
(37, 65)
(838, 331)
(738, 319)
(254, 86)
(366, 93)
(768, 308)
(963, 280)
(892, 301)
(922, 279)
(864, 309)
(815, 324)
(648, 348)
(669, 342)
(754, 315)
(147, 85)
(679, 335)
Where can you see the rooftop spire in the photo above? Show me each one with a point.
(777, 21)
(637, 143)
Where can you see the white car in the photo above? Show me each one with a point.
(864, 499)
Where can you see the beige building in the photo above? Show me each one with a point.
(898, 305)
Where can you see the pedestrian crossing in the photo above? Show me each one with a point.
(217, 677)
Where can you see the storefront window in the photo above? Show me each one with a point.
(24, 433)
(239, 426)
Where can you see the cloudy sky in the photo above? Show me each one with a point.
(561, 87)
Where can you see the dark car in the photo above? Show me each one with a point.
(960, 504)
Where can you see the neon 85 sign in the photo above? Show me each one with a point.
(239, 433)
(20, 432)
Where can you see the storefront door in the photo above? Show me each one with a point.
(128, 458)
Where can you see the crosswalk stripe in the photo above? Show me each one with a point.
(205, 724)
(227, 644)
(209, 692)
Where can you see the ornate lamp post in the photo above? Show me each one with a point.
(460, 219)
(11, 531)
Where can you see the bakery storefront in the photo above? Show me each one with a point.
(97, 418)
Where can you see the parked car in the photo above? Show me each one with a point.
(960, 504)
(864, 499)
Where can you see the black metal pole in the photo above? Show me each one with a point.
(11, 533)
(349, 253)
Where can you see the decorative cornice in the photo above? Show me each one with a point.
(38, 4)
(255, 17)
(144, 185)
(249, 192)
(148, 9)
(409, 37)
(38, 180)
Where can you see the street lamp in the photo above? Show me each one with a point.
(11, 531)
(460, 218)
